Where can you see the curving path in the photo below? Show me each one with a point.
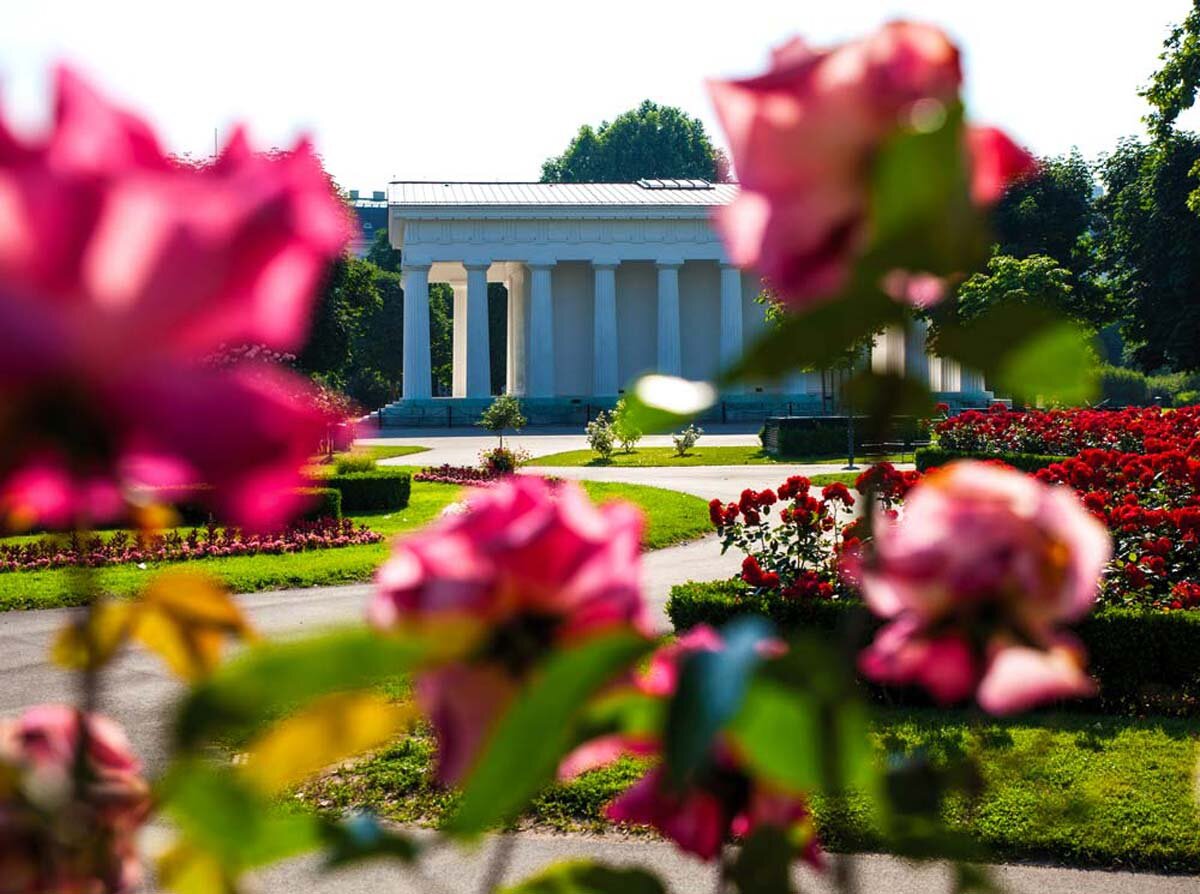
(140, 694)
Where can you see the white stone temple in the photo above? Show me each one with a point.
(605, 281)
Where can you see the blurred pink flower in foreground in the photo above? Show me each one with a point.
(50, 838)
(121, 270)
(803, 136)
(528, 567)
(723, 802)
(978, 575)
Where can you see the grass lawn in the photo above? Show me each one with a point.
(386, 451)
(672, 517)
(698, 456)
(1082, 790)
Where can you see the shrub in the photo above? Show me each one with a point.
(686, 439)
(502, 461)
(354, 462)
(502, 414)
(1067, 432)
(325, 502)
(624, 428)
(932, 457)
(600, 435)
(827, 436)
(1123, 387)
(1143, 660)
(379, 489)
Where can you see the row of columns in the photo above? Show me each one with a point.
(531, 361)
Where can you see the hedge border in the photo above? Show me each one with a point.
(381, 489)
(930, 457)
(1144, 661)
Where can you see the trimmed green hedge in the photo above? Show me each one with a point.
(326, 502)
(826, 435)
(1143, 660)
(930, 457)
(380, 489)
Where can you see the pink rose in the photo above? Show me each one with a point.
(121, 270)
(803, 137)
(722, 802)
(978, 576)
(52, 836)
(530, 567)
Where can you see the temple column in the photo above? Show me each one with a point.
(458, 357)
(604, 332)
(731, 317)
(541, 331)
(418, 380)
(479, 366)
(916, 358)
(970, 381)
(518, 313)
(669, 360)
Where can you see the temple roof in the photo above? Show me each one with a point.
(644, 192)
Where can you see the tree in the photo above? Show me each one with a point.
(349, 292)
(1050, 212)
(502, 414)
(1037, 280)
(1149, 247)
(1172, 89)
(649, 141)
(382, 255)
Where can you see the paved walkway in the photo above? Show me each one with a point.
(139, 694)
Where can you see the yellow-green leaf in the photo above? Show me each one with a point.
(185, 869)
(92, 639)
(330, 729)
(186, 618)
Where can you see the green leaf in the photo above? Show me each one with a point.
(221, 815)
(763, 864)
(538, 729)
(586, 877)
(1025, 351)
(922, 216)
(820, 337)
(270, 680)
(711, 688)
(362, 837)
(657, 403)
(882, 396)
(803, 703)
(1055, 364)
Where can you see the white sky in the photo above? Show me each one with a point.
(448, 89)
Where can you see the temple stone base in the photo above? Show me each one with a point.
(749, 410)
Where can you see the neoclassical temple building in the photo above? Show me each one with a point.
(604, 282)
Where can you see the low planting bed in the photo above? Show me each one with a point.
(1081, 790)
(1143, 660)
(931, 457)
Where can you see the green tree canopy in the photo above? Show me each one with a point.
(1149, 247)
(1172, 89)
(1050, 212)
(649, 141)
(1038, 280)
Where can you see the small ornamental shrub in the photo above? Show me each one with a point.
(502, 414)
(686, 439)
(625, 430)
(502, 461)
(354, 462)
(600, 435)
(380, 489)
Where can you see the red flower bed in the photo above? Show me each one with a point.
(199, 543)
(1151, 505)
(1067, 432)
(448, 474)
